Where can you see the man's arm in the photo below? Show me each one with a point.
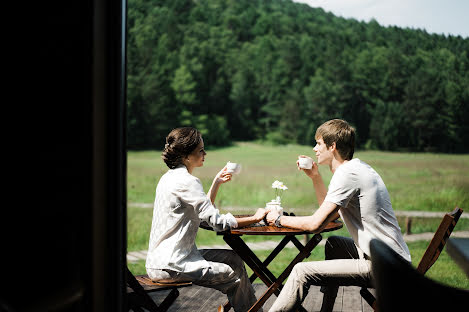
(319, 188)
(315, 223)
(326, 213)
(318, 183)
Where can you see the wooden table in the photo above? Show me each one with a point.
(458, 249)
(274, 284)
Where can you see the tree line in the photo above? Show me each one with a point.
(275, 70)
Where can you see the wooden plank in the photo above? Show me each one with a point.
(339, 300)
(194, 300)
(313, 300)
(186, 297)
(213, 299)
(351, 302)
(203, 299)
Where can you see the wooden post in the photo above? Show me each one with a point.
(305, 239)
(408, 225)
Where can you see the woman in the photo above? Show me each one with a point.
(180, 205)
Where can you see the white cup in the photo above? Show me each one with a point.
(305, 162)
(233, 167)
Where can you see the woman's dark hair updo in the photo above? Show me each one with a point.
(180, 142)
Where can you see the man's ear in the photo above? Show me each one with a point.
(333, 147)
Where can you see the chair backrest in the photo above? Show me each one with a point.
(399, 287)
(439, 240)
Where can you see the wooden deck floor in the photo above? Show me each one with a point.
(202, 299)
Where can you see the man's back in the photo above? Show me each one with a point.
(365, 206)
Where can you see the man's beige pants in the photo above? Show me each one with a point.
(345, 265)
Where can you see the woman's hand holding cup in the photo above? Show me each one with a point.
(223, 176)
(233, 167)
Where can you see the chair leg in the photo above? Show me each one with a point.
(139, 300)
(301, 309)
(140, 297)
(135, 308)
(168, 301)
(369, 298)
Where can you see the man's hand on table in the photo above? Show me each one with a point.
(272, 216)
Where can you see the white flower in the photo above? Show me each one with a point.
(277, 184)
(279, 188)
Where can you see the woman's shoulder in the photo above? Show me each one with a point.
(182, 177)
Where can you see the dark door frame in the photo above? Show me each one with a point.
(63, 223)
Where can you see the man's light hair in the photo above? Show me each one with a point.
(340, 132)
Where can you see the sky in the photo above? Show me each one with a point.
(447, 17)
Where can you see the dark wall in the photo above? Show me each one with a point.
(63, 217)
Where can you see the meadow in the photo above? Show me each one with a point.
(416, 182)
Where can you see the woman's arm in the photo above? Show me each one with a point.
(220, 178)
(258, 216)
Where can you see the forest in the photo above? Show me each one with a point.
(274, 70)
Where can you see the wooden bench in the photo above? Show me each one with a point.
(138, 288)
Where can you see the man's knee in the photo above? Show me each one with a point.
(298, 274)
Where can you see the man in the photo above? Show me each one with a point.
(358, 195)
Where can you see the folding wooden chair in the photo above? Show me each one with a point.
(138, 288)
(431, 254)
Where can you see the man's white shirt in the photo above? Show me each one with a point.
(365, 207)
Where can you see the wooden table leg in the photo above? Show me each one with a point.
(272, 255)
(313, 242)
(237, 244)
(259, 268)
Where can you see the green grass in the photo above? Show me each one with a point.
(138, 228)
(422, 225)
(416, 181)
(423, 181)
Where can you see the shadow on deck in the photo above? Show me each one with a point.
(202, 299)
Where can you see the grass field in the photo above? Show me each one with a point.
(424, 182)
